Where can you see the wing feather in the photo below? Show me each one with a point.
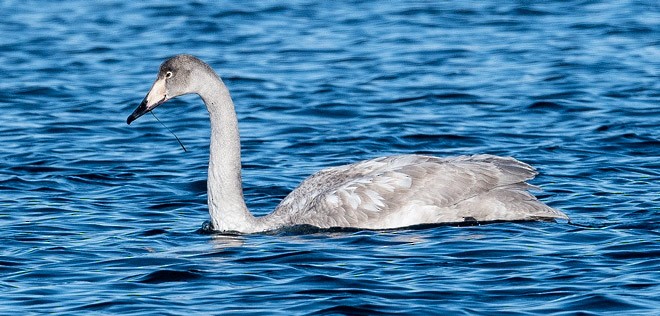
(398, 191)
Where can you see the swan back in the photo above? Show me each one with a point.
(398, 191)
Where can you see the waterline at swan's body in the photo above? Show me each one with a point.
(381, 193)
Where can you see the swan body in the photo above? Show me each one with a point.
(381, 193)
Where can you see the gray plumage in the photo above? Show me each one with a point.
(396, 191)
(381, 193)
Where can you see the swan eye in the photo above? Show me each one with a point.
(168, 74)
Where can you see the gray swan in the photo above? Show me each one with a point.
(381, 193)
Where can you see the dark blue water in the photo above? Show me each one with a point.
(97, 216)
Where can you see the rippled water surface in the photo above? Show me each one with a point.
(98, 216)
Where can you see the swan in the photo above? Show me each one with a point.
(381, 193)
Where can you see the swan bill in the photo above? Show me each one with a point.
(142, 109)
(157, 92)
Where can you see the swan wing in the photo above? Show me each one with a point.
(398, 191)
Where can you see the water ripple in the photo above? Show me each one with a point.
(100, 217)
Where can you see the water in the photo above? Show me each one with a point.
(101, 217)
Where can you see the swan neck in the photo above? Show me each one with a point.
(224, 186)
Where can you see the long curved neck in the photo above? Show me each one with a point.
(225, 191)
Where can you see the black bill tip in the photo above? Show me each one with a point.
(139, 111)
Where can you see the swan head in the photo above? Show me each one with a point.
(175, 77)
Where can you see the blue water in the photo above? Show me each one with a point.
(100, 217)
